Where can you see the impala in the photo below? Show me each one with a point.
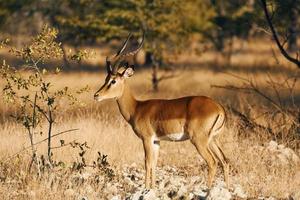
(197, 118)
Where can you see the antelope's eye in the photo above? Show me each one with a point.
(113, 81)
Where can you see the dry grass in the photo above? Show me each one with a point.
(101, 125)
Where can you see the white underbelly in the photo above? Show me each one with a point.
(175, 137)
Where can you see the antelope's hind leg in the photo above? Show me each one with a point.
(201, 144)
(216, 149)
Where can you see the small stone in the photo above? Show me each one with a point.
(112, 189)
(272, 146)
(219, 192)
(199, 194)
(150, 195)
(172, 194)
(270, 198)
(85, 175)
(195, 180)
(239, 192)
(133, 165)
(83, 198)
(182, 191)
(118, 197)
(144, 194)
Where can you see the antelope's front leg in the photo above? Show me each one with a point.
(155, 145)
(150, 154)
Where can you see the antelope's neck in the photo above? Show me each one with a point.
(127, 104)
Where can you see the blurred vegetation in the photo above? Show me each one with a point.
(170, 25)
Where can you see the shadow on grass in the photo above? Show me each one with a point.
(209, 66)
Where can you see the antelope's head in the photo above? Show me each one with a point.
(117, 71)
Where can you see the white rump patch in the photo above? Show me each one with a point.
(175, 137)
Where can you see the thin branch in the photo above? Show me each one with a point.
(63, 145)
(248, 90)
(39, 142)
(275, 88)
(263, 30)
(275, 36)
(232, 87)
(165, 77)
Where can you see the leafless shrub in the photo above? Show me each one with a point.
(279, 109)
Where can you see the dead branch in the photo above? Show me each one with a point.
(275, 36)
(250, 90)
(39, 142)
(165, 77)
(64, 145)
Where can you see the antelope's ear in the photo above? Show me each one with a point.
(128, 72)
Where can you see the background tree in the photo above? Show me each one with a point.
(14, 12)
(231, 19)
(285, 17)
(275, 34)
(168, 25)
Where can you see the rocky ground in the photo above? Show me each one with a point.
(174, 183)
(127, 182)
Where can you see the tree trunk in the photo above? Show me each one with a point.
(292, 41)
(155, 77)
(229, 51)
(148, 58)
(65, 57)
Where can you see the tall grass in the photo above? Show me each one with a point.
(104, 129)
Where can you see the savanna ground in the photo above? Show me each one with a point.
(259, 171)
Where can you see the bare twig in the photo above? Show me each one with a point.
(249, 90)
(39, 142)
(63, 145)
(275, 88)
(165, 77)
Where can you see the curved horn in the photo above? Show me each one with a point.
(124, 45)
(120, 55)
(108, 65)
(131, 53)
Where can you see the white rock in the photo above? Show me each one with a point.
(182, 191)
(196, 180)
(133, 165)
(296, 196)
(281, 146)
(239, 192)
(269, 198)
(144, 194)
(118, 197)
(85, 175)
(199, 193)
(83, 198)
(219, 192)
(272, 146)
(177, 181)
(113, 189)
